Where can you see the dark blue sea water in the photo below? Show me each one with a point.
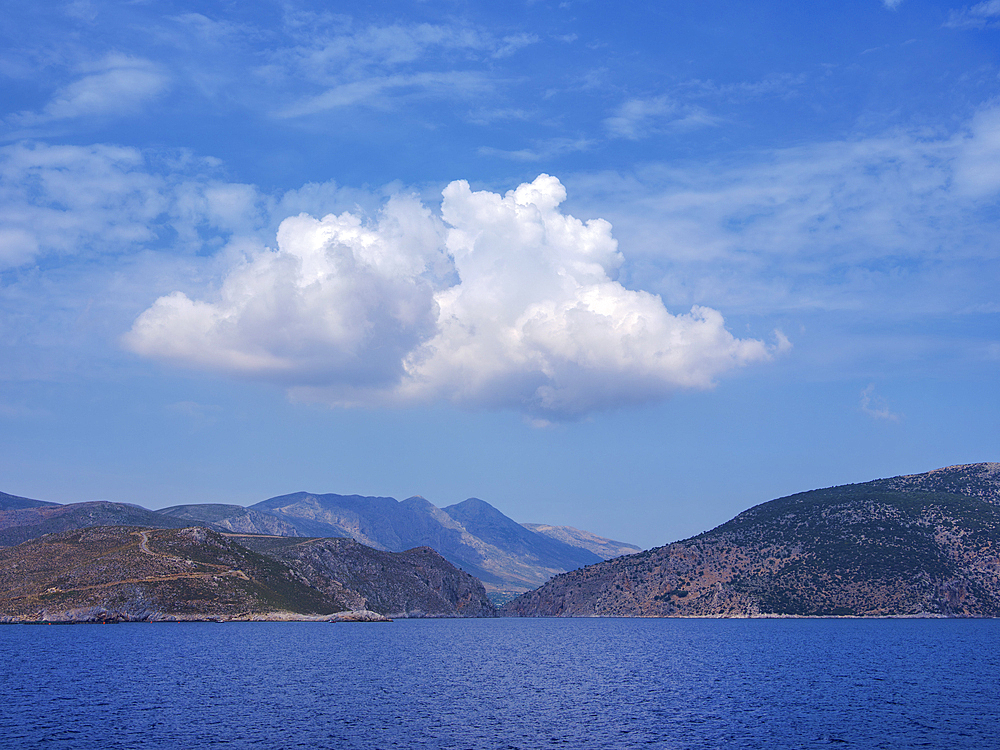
(510, 683)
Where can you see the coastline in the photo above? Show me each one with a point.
(98, 615)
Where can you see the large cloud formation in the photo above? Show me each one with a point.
(503, 302)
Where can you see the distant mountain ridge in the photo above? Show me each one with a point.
(472, 534)
(925, 544)
(505, 555)
(603, 548)
(13, 502)
(29, 522)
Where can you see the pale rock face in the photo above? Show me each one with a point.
(605, 548)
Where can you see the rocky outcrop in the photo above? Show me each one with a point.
(859, 550)
(231, 518)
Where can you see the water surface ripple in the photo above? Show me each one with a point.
(509, 684)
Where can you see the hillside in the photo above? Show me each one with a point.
(859, 549)
(415, 583)
(13, 502)
(122, 573)
(26, 522)
(969, 480)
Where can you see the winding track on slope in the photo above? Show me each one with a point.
(222, 571)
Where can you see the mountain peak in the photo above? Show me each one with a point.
(417, 501)
(474, 507)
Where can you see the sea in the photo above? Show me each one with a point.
(508, 684)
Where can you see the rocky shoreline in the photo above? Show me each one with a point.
(100, 615)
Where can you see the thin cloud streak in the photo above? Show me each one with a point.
(640, 118)
(984, 15)
(815, 227)
(118, 85)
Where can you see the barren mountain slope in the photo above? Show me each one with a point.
(415, 583)
(852, 550)
(122, 573)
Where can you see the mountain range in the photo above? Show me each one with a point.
(916, 545)
(131, 574)
(925, 544)
(508, 557)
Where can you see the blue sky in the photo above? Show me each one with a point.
(632, 269)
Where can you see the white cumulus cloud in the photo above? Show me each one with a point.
(338, 302)
(503, 302)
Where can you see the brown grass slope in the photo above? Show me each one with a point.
(859, 550)
(121, 573)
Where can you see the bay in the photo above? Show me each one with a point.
(505, 684)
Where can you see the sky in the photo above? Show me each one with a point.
(632, 268)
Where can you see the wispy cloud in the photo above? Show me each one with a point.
(111, 200)
(511, 44)
(58, 199)
(382, 92)
(980, 16)
(377, 65)
(821, 226)
(875, 406)
(117, 85)
(541, 150)
(782, 86)
(490, 115)
(198, 415)
(640, 118)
